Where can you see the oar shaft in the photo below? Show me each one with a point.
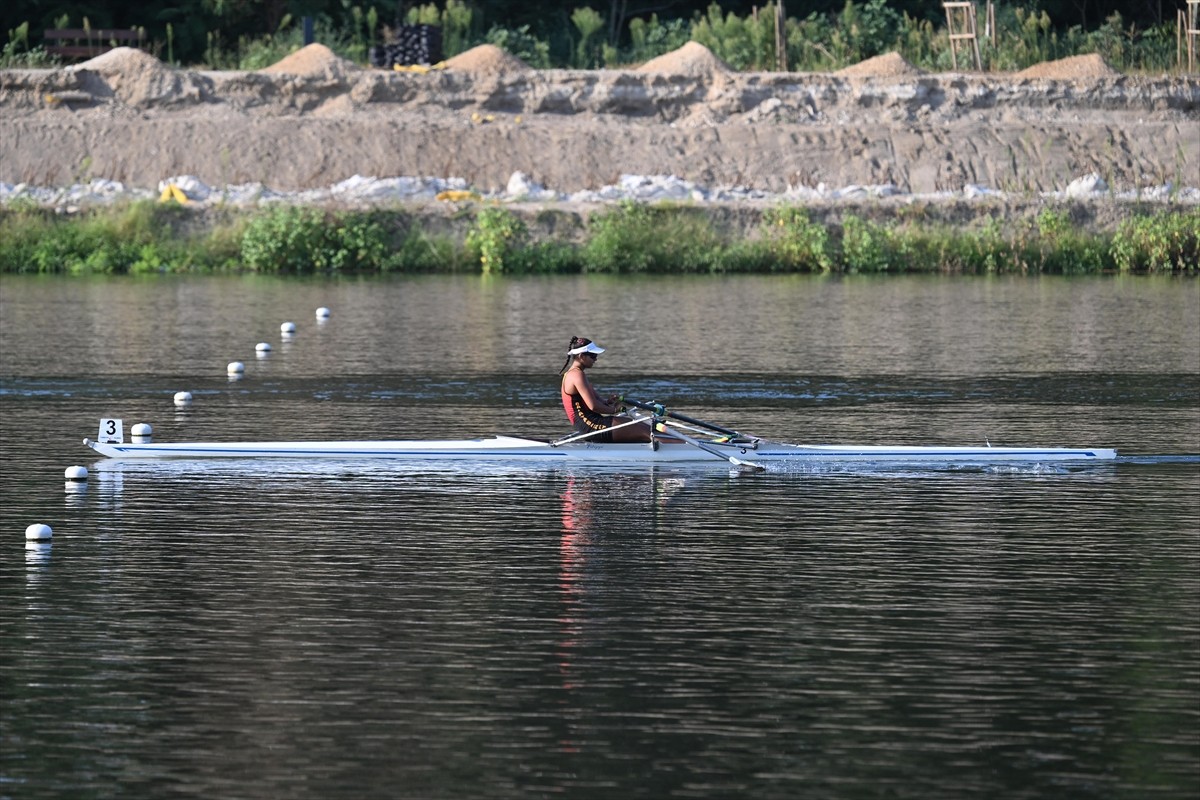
(682, 417)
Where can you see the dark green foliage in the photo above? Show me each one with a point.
(823, 34)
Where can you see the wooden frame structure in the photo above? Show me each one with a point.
(1189, 34)
(90, 42)
(960, 23)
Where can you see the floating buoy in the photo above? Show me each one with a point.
(263, 347)
(141, 432)
(322, 313)
(183, 398)
(287, 327)
(38, 532)
(235, 368)
(76, 473)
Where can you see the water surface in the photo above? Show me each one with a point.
(350, 630)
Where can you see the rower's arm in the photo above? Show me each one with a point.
(584, 388)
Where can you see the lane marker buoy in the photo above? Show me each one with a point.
(263, 347)
(322, 313)
(235, 367)
(183, 398)
(287, 327)
(141, 432)
(37, 532)
(76, 474)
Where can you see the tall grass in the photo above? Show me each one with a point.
(629, 238)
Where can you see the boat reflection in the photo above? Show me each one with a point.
(596, 511)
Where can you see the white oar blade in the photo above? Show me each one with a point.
(747, 464)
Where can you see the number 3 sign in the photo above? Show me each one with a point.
(111, 431)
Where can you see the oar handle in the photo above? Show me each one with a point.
(658, 409)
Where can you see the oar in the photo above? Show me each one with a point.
(737, 462)
(576, 437)
(660, 411)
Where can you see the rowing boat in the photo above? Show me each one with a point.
(517, 448)
(731, 447)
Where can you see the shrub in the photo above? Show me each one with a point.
(1162, 242)
(494, 240)
(298, 239)
(795, 242)
(865, 246)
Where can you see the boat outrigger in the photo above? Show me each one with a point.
(671, 443)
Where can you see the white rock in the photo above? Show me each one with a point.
(1087, 185)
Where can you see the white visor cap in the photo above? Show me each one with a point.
(590, 347)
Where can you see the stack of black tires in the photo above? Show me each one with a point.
(410, 44)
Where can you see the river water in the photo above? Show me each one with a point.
(363, 630)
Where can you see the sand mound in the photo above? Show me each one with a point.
(1089, 66)
(486, 59)
(693, 59)
(888, 65)
(137, 78)
(122, 61)
(313, 61)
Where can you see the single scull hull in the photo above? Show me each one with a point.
(508, 448)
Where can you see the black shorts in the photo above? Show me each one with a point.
(587, 424)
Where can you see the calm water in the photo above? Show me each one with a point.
(348, 630)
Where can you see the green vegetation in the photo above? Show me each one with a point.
(629, 238)
(835, 34)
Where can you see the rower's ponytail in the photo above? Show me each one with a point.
(576, 341)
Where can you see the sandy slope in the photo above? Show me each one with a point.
(313, 120)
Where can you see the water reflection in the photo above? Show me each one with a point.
(37, 558)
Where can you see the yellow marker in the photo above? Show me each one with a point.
(173, 192)
(456, 195)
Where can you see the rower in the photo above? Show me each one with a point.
(588, 413)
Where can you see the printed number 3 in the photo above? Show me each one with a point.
(112, 427)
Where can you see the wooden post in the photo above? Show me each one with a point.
(1192, 32)
(1179, 26)
(781, 61)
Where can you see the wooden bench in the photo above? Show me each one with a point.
(90, 42)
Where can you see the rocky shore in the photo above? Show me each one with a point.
(880, 130)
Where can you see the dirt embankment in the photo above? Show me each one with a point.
(313, 120)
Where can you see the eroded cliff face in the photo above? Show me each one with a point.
(318, 120)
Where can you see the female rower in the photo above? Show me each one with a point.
(586, 411)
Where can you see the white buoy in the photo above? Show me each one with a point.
(287, 327)
(322, 313)
(235, 368)
(263, 347)
(76, 474)
(38, 532)
(141, 432)
(183, 398)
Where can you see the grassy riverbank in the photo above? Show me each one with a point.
(146, 237)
